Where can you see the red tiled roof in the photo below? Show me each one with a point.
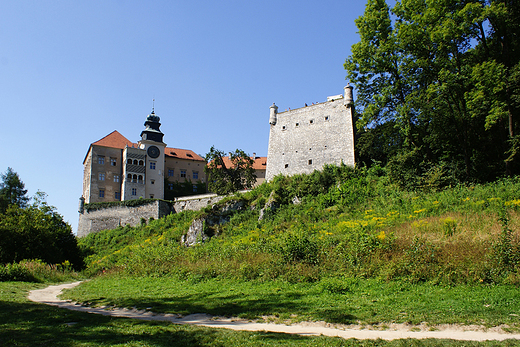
(182, 154)
(114, 140)
(260, 163)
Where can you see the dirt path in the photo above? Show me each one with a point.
(50, 294)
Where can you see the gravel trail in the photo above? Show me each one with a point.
(50, 294)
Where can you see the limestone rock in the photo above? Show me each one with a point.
(195, 233)
(270, 205)
(202, 229)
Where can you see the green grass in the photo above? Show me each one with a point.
(24, 323)
(357, 249)
(352, 223)
(362, 301)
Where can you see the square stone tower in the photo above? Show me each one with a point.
(307, 138)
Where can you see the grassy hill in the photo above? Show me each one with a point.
(342, 246)
(339, 224)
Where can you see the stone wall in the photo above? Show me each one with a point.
(307, 138)
(115, 216)
(195, 202)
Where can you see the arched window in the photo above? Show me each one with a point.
(129, 161)
(135, 162)
(140, 179)
(141, 162)
(129, 176)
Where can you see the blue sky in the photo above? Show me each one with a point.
(74, 71)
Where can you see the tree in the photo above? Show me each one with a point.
(445, 74)
(37, 232)
(228, 175)
(12, 191)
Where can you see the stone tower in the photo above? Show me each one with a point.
(307, 138)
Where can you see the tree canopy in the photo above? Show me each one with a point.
(231, 175)
(12, 190)
(33, 231)
(440, 78)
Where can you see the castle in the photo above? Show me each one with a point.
(116, 169)
(307, 138)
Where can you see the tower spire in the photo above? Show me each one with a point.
(153, 106)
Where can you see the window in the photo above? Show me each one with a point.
(101, 193)
(101, 176)
(327, 118)
(152, 181)
(134, 191)
(117, 196)
(151, 196)
(170, 186)
(129, 161)
(152, 165)
(141, 163)
(140, 179)
(170, 172)
(297, 124)
(113, 161)
(310, 161)
(116, 178)
(283, 128)
(311, 121)
(183, 173)
(101, 160)
(189, 155)
(194, 188)
(136, 162)
(195, 175)
(286, 166)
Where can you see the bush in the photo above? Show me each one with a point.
(36, 271)
(335, 285)
(299, 247)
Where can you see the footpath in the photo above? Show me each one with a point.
(50, 294)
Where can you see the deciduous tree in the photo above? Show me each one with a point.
(444, 73)
(229, 176)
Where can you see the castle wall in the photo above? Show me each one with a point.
(195, 202)
(115, 216)
(307, 138)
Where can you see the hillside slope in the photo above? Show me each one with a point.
(337, 223)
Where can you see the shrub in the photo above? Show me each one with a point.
(299, 247)
(36, 271)
(335, 285)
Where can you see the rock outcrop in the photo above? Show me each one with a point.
(207, 226)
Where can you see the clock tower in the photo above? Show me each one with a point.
(153, 147)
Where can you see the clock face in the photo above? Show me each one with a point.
(153, 151)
